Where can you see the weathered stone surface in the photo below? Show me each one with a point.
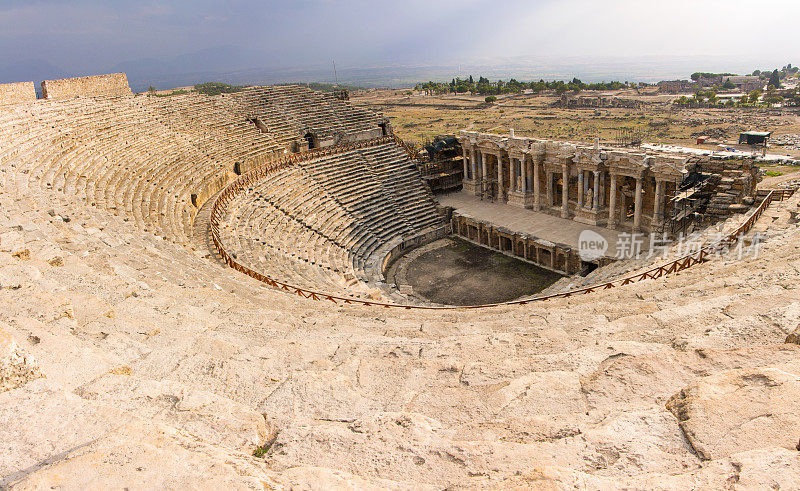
(41, 421)
(794, 337)
(140, 455)
(202, 414)
(15, 276)
(112, 84)
(740, 410)
(15, 93)
(16, 367)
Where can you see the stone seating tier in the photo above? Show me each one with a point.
(154, 160)
(334, 212)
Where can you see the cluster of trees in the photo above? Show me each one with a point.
(485, 87)
(784, 72)
(772, 78)
(754, 98)
(698, 75)
(216, 88)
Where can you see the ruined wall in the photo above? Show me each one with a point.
(114, 84)
(17, 92)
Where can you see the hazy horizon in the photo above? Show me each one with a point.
(168, 44)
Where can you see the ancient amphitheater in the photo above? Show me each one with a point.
(192, 295)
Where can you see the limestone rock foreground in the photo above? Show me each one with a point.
(16, 367)
(741, 410)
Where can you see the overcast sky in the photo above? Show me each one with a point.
(90, 36)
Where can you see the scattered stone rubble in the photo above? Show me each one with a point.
(734, 182)
(791, 141)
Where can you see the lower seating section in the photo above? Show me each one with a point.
(322, 223)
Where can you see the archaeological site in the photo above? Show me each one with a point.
(269, 288)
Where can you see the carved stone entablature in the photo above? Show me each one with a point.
(667, 167)
(490, 146)
(538, 150)
(627, 163)
(518, 146)
(588, 158)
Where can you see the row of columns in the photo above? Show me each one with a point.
(593, 179)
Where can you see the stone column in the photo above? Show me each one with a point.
(602, 189)
(536, 204)
(499, 176)
(637, 205)
(473, 163)
(586, 183)
(524, 168)
(612, 202)
(580, 187)
(549, 186)
(483, 173)
(658, 199)
(512, 174)
(464, 156)
(565, 191)
(596, 193)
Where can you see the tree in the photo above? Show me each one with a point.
(773, 99)
(775, 79)
(152, 89)
(754, 95)
(728, 84)
(490, 99)
(471, 82)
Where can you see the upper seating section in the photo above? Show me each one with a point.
(291, 111)
(152, 159)
(125, 155)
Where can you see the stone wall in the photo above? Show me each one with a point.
(17, 92)
(114, 84)
(570, 102)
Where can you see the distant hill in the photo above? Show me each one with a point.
(30, 69)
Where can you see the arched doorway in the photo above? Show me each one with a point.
(311, 139)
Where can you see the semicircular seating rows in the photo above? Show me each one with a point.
(287, 109)
(155, 160)
(328, 222)
(137, 156)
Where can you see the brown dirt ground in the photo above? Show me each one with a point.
(418, 118)
(461, 273)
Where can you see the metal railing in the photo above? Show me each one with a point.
(241, 183)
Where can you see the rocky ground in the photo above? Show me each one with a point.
(418, 118)
(128, 361)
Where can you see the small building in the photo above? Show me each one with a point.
(754, 137)
(746, 83)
